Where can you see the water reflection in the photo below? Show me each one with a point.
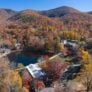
(27, 57)
(24, 58)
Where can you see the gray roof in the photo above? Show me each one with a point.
(36, 71)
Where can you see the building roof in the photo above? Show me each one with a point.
(36, 71)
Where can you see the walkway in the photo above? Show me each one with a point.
(7, 52)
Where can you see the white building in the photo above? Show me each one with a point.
(35, 71)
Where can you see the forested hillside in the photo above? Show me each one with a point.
(37, 29)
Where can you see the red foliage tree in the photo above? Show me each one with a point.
(55, 69)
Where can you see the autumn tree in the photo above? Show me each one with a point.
(57, 46)
(85, 77)
(86, 57)
(54, 69)
(10, 80)
(73, 35)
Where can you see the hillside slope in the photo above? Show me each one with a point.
(59, 12)
(5, 14)
(35, 20)
(71, 17)
(43, 29)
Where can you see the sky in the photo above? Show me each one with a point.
(82, 5)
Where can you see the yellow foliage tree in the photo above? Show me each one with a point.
(85, 77)
(9, 79)
(25, 89)
(73, 35)
(61, 46)
(85, 56)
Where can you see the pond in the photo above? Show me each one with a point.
(25, 58)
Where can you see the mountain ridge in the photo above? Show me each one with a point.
(56, 12)
(68, 15)
(60, 11)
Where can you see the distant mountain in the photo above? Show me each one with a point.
(69, 16)
(33, 18)
(5, 14)
(59, 12)
(90, 12)
(72, 18)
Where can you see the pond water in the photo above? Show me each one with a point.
(25, 58)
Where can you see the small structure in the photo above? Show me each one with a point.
(37, 76)
(36, 71)
(69, 47)
(33, 78)
(72, 43)
(17, 46)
